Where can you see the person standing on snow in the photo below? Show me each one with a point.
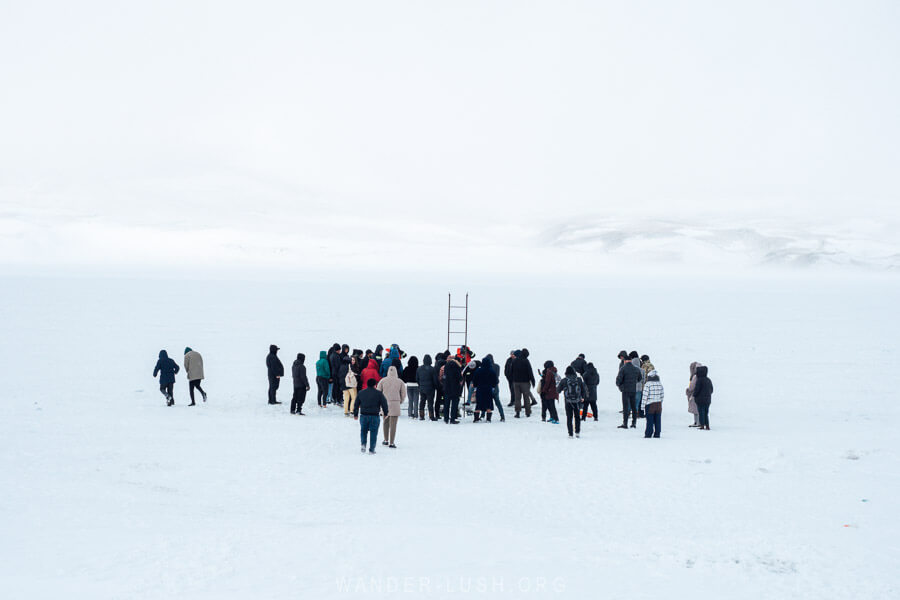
(275, 371)
(440, 359)
(453, 386)
(412, 386)
(301, 384)
(692, 405)
(166, 368)
(369, 405)
(335, 357)
(591, 381)
(350, 383)
(485, 380)
(573, 388)
(193, 366)
(523, 380)
(548, 392)
(627, 379)
(394, 391)
(425, 379)
(579, 364)
(639, 386)
(507, 372)
(703, 390)
(651, 402)
(323, 378)
(370, 372)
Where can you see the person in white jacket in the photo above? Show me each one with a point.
(651, 404)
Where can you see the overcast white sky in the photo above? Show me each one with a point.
(257, 115)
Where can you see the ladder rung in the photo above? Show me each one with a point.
(459, 307)
(456, 319)
(457, 332)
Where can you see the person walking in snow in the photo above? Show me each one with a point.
(547, 390)
(370, 404)
(275, 371)
(323, 378)
(703, 389)
(591, 381)
(394, 391)
(166, 368)
(301, 384)
(193, 367)
(453, 387)
(523, 381)
(651, 403)
(484, 380)
(627, 379)
(692, 404)
(425, 379)
(573, 391)
(409, 377)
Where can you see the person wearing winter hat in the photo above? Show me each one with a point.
(275, 371)
(651, 403)
(408, 375)
(703, 390)
(301, 384)
(523, 378)
(484, 381)
(692, 405)
(193, 366)
(425, 379)
(507, 372)
(573, 390)
(166, 368)
(548, 392)
(591, 381)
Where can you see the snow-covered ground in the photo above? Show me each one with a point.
(107, 493)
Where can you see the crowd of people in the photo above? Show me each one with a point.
(372, 385)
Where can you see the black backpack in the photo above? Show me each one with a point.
(573, 387)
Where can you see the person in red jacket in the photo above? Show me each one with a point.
(370, 372)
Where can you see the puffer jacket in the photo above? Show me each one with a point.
(591, 376)
(323, 367)
(425, 376)
(394, 390)
(628, 378)
(703, 389)
(392, 360)
(453, 379)
(370, 372)
(166, 368)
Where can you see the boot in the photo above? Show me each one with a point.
(489, 417)
(624, 424)
(634, 422)
(477, 416)
(421, 415)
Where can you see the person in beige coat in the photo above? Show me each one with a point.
(193, 366)
(692, 405)
(394, 390)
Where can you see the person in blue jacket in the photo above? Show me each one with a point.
(166, 368)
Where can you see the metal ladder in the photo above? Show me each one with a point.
(451, 320)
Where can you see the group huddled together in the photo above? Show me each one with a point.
(374, 384)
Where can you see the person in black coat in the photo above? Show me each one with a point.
(591, 381)
(370, 403)
(579, 364)
(440, 359)
(301, 384)
(507, 372)
(409, 375)
(703, 390)
(485, 380)
(453, 386)
(425, 379)
(334, 362)
(627, 380)
(275, 371)
(166, 368)
(523, 381)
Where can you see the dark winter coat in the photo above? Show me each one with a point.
(548, 389)
(425, 376)
(507, 368)
(573, 389)
(579, 364)
(273, 364)
(343, 369)
(334, 363)
(409, 373)
(485, 379)
(703, 389)
(521, 369)
(628, 378)
(453, 379)
(438, 365)
(370, 402)
(298, 372)
(591, 376)
(166, 368)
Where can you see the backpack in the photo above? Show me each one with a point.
(573, 390)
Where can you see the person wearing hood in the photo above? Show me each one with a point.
(627, 379)
(507, 372)
(453, 386)
(379, 350)
(166, 368)
(692, 405)
(579, 364)
(548, 392)
(408, 375)
(651, 403)
(496, 391)
(523, 380)
(394, 391)
(335, 358)
(301, 384)
(349, 376)
(440, 359)
(572, 387)
(703, 390)
(485, 379)
(639, 386)
(392, 360)
(275, 370)
(425, 380)
(591, 381)
(323, 377)
(370, 372)
(193, 367)
(369, 406)
(468, 373)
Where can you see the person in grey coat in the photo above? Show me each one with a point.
(193, 366)
(425, 378)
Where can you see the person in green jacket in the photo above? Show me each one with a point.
(323, 378)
